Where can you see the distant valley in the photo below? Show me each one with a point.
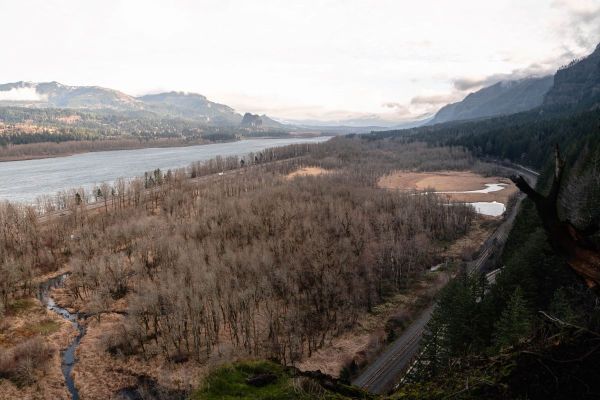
(48, 118)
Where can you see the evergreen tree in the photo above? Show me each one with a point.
(515, 321)
(455, 326)
(561, 307)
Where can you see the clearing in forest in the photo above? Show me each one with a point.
(451, 181)
(307, 171)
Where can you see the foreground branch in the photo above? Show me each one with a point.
(582, 255)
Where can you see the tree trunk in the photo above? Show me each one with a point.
(582, 255)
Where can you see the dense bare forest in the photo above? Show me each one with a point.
(233, 254)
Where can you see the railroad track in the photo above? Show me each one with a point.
(382, 375)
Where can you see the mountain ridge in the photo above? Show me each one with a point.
(56, 94)
(577, 83)
(171, 104)
(501, 98)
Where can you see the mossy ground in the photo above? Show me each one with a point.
(19, 306)
(44, 327)
(229, 382)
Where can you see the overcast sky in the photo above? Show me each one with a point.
(296, 59)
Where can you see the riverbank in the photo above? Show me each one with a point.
(30, 328)
(39, 151)
(45, 177)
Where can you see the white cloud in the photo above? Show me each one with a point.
(297, 57)
(21, 94)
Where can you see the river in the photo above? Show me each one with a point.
(24, 181)
(68, 354)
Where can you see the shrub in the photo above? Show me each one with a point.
(119, 342)
(21, 363)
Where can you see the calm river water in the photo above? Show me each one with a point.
(25, 180)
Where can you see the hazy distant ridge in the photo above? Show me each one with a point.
(502, 98)
(170, 104)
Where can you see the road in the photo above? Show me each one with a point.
(385, 371)
(381, 376)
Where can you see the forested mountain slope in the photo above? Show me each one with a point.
(190, 105)
(502, 98)
(569, 117)
(576, 84)
(533, 334)
(54, 94)
(171, 105)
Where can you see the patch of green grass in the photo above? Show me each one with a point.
(45, 327)
(19, 306)
(229, 382)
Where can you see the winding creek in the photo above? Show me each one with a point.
(67, 355)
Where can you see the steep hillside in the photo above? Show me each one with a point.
(54, 94)
(503, 98)
(171, 105)
(578, 83)
(533, 333)
(191, 105)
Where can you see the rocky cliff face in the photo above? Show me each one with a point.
(251, 121)
(259, 121)
(578, 83)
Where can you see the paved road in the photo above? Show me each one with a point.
(381, 376)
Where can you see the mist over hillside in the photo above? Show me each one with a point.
(502, 98)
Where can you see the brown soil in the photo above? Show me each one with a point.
(443, 181)
(70, 119)
(22, 326)
(307, 171)
(100, 375)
